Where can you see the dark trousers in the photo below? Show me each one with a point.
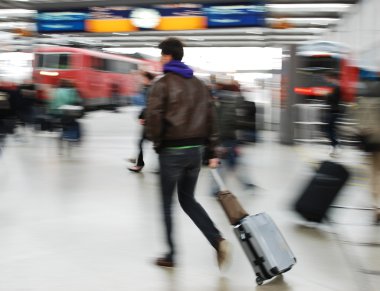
(331, 128)
(180, 167)
(140, 158)
(2, 141)
(71, 128)
(230, 155)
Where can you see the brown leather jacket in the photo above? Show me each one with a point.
(180, 112)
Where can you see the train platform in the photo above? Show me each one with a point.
(78, 220)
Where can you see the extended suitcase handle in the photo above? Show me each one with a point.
(218, 180)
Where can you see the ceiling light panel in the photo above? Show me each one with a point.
(308, 7)
(309, 20)
(306, 20)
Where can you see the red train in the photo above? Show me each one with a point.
(318, 57)
(96, 75)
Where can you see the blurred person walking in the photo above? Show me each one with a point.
(180, 120)
(28, 94)
(66, 94)
(368, 117)
(228, 102)
(22, 99)
(7, 122)
(333, 101)
(139, 162)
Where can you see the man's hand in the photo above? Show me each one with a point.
(213, 163)
(142, 121)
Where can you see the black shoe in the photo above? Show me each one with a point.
(165, 262)
(135, 169)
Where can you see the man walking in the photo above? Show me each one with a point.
(333, 101)
(180, 120)
(139, 162)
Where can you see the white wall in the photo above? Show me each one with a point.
(359, 29)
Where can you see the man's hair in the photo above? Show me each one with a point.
(172, 46)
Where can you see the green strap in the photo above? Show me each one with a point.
(184, 147)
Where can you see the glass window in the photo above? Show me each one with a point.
(39, 60)
(321, 62)
(109, 65)
(98, 63)
(50, 61)
(63, 61)
(122, 67)
(53, 61)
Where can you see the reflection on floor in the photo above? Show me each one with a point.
(84, 222)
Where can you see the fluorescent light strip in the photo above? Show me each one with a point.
(311, 7)
(9, 12)
(313, 21)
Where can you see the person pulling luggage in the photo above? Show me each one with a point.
(180, 120)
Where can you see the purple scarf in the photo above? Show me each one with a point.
(179, 68)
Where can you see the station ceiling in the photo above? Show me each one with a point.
(288, 21)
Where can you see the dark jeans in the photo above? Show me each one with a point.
(331, 128)
(180, 167)
(230, 155)
(140, 158)
(71, 128)
(2, 141)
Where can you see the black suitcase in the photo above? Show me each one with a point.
(320, 193)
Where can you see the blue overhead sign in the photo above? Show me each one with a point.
(62, 16)
(179, 10)
(235, 16)
(109, 12)
(61, 26)
(61, 21)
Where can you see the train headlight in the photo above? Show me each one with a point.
(49, 73)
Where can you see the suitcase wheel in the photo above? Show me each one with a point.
(259, 281)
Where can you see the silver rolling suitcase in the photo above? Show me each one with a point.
(262, 242)
(265, 247)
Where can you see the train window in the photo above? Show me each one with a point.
(108, 65)
(134, 67)
(320, 62)
(98, 64)
(50, 61)
(122, 67)
(63, 62)
(39, 60)
(53, 61)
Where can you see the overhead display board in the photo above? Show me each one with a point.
(61, 21)
(235, 15)
(155, 17)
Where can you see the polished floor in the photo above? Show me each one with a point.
(80, 221)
